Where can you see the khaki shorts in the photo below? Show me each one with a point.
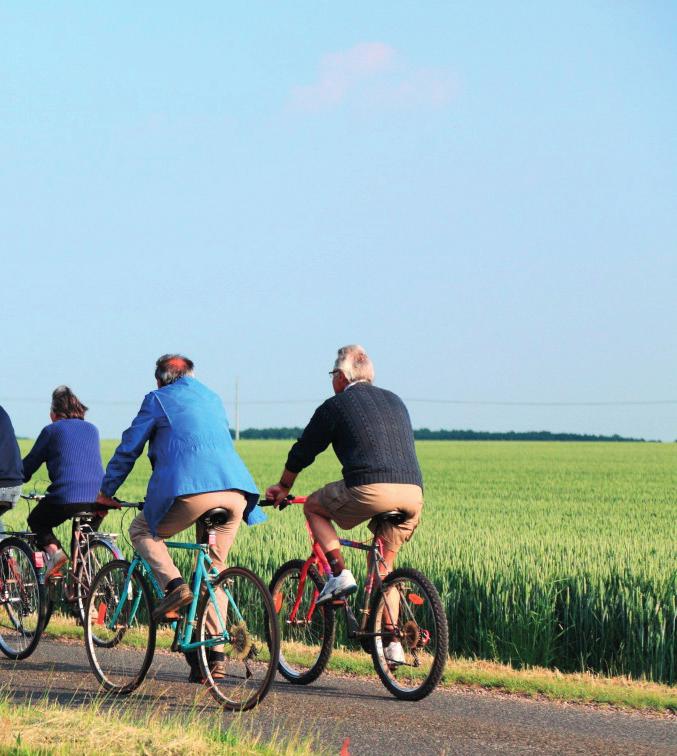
(351, 506)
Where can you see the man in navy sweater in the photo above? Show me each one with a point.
(370, 431)
(11, 469)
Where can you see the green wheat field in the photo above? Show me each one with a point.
(561, 555)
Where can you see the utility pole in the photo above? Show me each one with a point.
(237, 409)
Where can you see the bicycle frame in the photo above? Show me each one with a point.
(81, 535)
(38, 559)
(78, 538)
(182, 626)
(355, 629)
(15, 575)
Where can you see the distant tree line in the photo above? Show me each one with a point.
(269, 433)
(425, 434)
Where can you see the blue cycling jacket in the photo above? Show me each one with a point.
(190, 450)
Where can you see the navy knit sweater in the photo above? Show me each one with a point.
(11, 473)
(70, 447)
(371, 433)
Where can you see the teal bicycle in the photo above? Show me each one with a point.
(231, 617)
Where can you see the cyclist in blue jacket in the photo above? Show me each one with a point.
(195, 469)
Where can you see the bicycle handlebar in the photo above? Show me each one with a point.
(128, 504)
(284, 503)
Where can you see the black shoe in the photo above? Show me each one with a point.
(180, 596)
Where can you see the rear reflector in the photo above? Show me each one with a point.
(101, 614)
(415, 599)
(277, 601)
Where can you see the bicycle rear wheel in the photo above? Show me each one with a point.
(22, 605)
(97, 553)
(306, 630)
(119, 631)
(409, 610)
(244, 619)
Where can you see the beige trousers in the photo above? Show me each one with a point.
(351, 506)
(183, 513)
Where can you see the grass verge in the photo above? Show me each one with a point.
(43, 727)
(537, 682)
(584, 688)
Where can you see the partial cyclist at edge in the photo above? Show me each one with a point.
(371, 433)
(11, 468)
(195, 469)
(70, 448)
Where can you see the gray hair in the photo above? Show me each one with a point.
(171, 367)
(354, 363)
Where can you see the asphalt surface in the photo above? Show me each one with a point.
(335, 708)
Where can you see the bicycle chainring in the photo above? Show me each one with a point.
(410, 635)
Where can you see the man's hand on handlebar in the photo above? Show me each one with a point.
(281, 489)
(107, 503)
(277, 493)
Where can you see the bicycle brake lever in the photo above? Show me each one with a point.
(285, 502)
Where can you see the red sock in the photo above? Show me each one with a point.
(335, 562)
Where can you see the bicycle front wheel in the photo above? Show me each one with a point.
(306, 630)
(240, 644)
(409, 650)
(21, 600)
(97, 553)
(119, 630)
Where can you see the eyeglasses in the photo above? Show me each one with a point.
(334, 371)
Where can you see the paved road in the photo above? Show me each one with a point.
(334, 708)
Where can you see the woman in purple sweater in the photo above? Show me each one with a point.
(70, 448)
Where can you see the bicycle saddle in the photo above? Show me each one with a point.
(395, 516)
(214, 517)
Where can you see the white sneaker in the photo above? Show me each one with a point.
(393, 653)
(54, 562)
(337, 587)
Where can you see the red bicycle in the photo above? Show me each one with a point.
(404, 607)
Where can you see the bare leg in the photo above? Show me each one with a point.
(319, 520)
(391, 610)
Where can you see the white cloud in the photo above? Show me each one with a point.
(373, 73)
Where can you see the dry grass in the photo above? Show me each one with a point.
(49, 728)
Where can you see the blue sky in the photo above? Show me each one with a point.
(482, 194)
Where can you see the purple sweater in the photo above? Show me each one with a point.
(73, 456)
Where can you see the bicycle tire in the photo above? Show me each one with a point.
(247, 675)
(291, 636)
(23, 589)
(420, 603)
(49, 609)
(120, 667)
